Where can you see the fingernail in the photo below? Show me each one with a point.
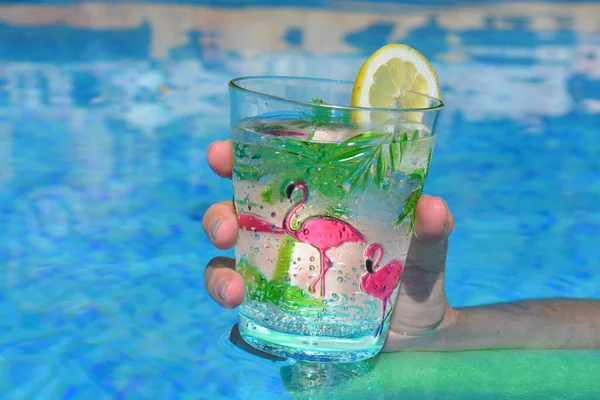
(222, 288)
(448, 225)
(215, 227)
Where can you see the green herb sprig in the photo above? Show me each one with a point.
(285, 296)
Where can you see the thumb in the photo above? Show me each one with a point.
(421, 302)
(429, 245)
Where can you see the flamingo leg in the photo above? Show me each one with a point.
(313, 285)
(380, 328)
(383, 318)
(324, 267)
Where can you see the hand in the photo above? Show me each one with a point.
(421, 306)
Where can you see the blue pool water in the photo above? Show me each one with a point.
(106, 110)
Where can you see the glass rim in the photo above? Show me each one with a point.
(234, 83)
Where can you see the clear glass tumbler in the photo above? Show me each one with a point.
(325, 196)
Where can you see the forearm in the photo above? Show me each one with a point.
(533, 324)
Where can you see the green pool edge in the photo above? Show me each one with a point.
(497, 374)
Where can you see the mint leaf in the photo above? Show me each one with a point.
(267, 195)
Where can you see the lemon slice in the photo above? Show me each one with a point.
(389, 78)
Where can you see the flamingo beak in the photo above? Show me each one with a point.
(369, 265)
(289, 190)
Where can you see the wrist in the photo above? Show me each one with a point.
(433, 337)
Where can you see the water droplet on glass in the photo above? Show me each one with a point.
(257, 236)
(312, 268)
(287, 279)
(334, 296)
(354, 269)
(339, 272)
(312, 258)
(273, 214)
(340, 279)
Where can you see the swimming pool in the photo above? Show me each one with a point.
(106, 110)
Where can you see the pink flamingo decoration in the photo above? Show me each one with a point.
(256, 224)
(321, 232)
(380, 282)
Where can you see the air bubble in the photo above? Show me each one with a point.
(257, 236)
(287, 279)
(312, 258)
(312, 268)
(334, 296)
(340, 279)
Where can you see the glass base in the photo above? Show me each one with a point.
(308, 348)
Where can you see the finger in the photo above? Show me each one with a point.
(421, 303)
(434, 223)
(223, 284)
(220, 225)
(220, 157)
